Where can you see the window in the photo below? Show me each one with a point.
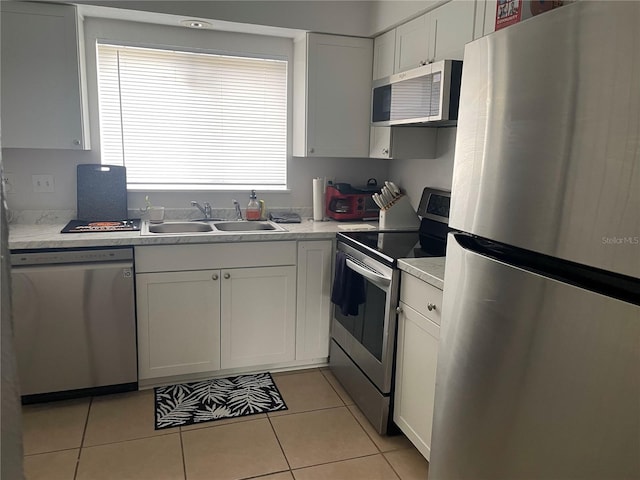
(185, 121)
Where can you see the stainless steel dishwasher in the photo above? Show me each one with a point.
(74, 318)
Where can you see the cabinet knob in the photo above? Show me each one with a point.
(311, 150)
(398, 310)
(431, 306)
(76, 142)
(385, 151)
(422, 63)
(214, 276)
(227, 275)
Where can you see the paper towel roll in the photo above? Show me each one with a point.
(318, 199)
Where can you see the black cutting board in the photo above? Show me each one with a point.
(102, 192)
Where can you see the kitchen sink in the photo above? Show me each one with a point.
(209, 227)
(245, 226)
(180, 227)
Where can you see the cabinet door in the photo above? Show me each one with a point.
(451, 28)
(412, 44)
(490, 8)
(416, 362)
(384, 51)
(338, 96)
(41, 90)
(380, 142)
(314, 299)
(258, 316)
(178, 323)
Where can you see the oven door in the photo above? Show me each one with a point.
(369, 337)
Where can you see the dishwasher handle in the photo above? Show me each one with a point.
(127, 267)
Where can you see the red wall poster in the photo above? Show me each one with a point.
(508, 12)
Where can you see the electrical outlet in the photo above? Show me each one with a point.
(42, 183)
(9, 182)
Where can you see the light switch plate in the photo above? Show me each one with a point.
(42, 183)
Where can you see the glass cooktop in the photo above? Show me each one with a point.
(391, 246)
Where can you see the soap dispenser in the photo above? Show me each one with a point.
(253, 208)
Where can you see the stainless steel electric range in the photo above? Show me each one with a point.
(362, 351)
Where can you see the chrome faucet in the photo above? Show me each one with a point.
(238, 210)
(206, 210)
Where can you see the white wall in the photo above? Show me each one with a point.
(414, 175)
(343, 17)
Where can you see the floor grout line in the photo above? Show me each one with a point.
(337, 461)
(273, 429)
(84, 433)
(390, 465)
(184, 461)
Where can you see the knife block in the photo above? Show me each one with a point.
(399, 215)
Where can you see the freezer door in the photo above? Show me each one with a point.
(547, 154)
(536, 379)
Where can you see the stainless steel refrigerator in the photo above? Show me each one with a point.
(539, 362)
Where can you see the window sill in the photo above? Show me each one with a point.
(203, 188)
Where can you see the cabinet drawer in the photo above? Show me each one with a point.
(420, 296)
(175, 258)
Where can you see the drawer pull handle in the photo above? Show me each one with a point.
(431, 306)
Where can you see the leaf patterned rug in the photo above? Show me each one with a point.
(215, 399)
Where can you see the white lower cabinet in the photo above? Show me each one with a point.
(315, 259)
(258, 316)
(178, 323)
(231, 306)
(416, 361)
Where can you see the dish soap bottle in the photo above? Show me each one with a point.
(253, 208)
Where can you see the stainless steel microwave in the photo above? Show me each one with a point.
(427, 95)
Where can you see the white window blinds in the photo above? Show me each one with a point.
(183, 120)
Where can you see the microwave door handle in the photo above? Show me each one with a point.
(377, 279)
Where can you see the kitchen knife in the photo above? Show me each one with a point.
(382, 201)
(377, 201)
(386, 194)
(394, 188)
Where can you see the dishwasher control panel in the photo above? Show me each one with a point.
(58, 256)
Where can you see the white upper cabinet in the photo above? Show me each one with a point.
(451, 28)
(332, 94)
(490, 7)
(384, 52)
(412, 44)
(42, 98)
(403, 142)
(440, 34)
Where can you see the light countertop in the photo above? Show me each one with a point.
(27, 236)
(430, 270)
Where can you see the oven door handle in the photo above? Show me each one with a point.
(374, 277)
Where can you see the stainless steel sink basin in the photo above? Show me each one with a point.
(245, 226)
(180, 227)
(210, 227)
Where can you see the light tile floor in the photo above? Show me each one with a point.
(323, 436)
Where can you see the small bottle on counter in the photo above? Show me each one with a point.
(253, 208)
